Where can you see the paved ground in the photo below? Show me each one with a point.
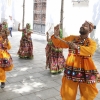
(29, 80)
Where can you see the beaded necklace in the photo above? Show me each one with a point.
(82, 42)
(27, 30)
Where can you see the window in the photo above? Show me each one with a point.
(80, 3)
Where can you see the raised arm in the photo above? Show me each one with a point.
(19, 28)
(47, 36)
(7, 44)
(31, 31)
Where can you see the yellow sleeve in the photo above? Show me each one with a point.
(88, 50)
(8, 46)
(59, 43)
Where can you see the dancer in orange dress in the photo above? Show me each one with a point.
(6, 62)
(80, 70)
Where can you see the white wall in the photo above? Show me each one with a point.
(75, 16)
(29, 12)
(3, 9)
(0, 10)
(52, 13)
(15, 9)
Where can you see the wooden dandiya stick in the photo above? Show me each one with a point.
(51, 33)
(59, 23)
(61, 39)
(49, 28)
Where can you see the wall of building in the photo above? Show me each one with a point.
(15, 9)
(39, 13)
(52, 13)
(74, 16)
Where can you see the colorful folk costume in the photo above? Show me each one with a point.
(0, 28)
(5, 31)
(54, 57)
(26, 45)
(80, 69)
(5, 60)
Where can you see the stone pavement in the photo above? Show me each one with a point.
(29, 80)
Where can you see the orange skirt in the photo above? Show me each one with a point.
(81, 69)
(5, 64)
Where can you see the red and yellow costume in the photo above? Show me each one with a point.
(5, 59)
(80, 69)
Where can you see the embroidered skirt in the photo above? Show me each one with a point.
(55, 60)
(6, 64)
(81, 69)
(26, 48)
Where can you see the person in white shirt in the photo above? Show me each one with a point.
(10, 24)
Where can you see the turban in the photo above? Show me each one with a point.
(91, 25)
(28, 25)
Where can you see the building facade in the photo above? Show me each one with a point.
(39, 16)
(14, 8)
(42, 14)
